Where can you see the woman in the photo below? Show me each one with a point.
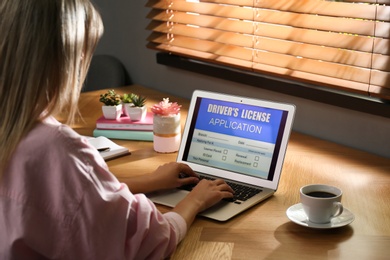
(58, 199)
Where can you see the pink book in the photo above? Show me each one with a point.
(125, 123)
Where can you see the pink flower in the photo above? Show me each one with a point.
(166, 108)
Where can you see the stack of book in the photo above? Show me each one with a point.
(124, 128)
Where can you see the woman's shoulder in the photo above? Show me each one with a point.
(52, 139)
(56, 148)
(53, 133)
(53, 159)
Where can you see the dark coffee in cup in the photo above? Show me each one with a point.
(320, 194)
(321, 203)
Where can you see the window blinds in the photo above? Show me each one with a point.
(337, 44)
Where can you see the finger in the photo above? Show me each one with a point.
(189, 180)
(226, 188)
(226, 194)
(224, 184)
(185, 169)
(218, 181)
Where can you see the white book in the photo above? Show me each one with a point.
(107, 148)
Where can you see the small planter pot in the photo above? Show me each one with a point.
(112, 112)
(125, 107)
(166, 133)
(136, 113)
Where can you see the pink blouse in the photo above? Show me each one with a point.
(58, 200)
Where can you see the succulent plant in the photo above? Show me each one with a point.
(138, 101)
(110, 98)
(165, 108)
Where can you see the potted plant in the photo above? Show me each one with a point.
(112, 108)
(166, 126)
(135, 107)
(126, 102)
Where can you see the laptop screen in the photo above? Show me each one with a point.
(235, 136)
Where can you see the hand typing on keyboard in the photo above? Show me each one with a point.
(241, 192)
(205, 194)
(210, 191)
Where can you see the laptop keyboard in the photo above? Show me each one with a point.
(241, 192)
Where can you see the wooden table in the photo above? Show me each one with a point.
(265, 232)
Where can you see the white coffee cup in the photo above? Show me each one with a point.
(321, 202)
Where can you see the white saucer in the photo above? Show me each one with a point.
(296, 214)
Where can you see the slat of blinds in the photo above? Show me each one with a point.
(369, 1)
(380, 92)
(323, 53)
(324, 23)
(382, 46)
(381, 62)
(314, 66)
(383, 12)
(357, 87)
(266, 69)
(204, 8)
(315, 52)
(268, 58)
(382, 29)
(208, 57)
(321, 38)
(380, 78)
(337, 40)
(229, 2)
(205, 46)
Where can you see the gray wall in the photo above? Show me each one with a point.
(125, 38)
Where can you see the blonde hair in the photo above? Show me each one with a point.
(45, 50)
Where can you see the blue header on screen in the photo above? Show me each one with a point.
(246, 121)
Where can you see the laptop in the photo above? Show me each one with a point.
(239, 139)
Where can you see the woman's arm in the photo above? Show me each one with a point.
(204, 195)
